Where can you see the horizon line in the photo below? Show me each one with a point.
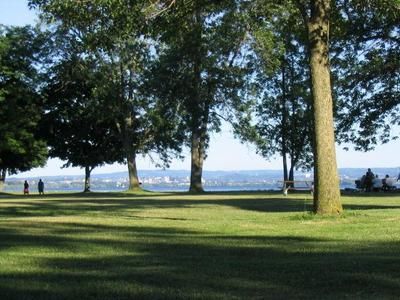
(17, 176)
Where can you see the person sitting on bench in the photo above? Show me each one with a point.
(377, 184)
(388, 183)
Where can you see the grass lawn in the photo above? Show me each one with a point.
(211, 246)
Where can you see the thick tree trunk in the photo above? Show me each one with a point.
(327, 192)
(285, 116)
(199, 111)
(284, 125)
(3, 173)
(134, 183)
(130, 152)
(291, 173)
(197, 159)
(88, 170)
(285, 168)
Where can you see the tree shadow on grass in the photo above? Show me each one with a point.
(371, 194)
(369, 206)
(137, 195)
(82, 206)
(160, 263)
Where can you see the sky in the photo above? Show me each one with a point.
(225, 152)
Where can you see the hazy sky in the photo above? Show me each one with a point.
(225, 153)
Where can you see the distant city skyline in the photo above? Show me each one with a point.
(224, 153)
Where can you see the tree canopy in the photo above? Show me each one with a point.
(21, 103)
(166, 72)
(200, 70)
(280, 120)
(77, 124)
(366, 68)
(114, 34)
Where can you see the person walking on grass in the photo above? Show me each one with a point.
(26, 188)
(41, 187)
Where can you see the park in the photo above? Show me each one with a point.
(241, 245)
(104, 82)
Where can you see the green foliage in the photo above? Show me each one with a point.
(78, 125)
(366, 66)
(203, 44)
(176, 67)
(268, 23)
(281, 121)
(113, 35)
(20, 146)
(201, 69)
(364, 50)
(199, 66)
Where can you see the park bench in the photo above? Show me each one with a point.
(302, 185)
(388, 184)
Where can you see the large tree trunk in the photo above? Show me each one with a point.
(130, 153)
(199, 111)
(285, 168)
(88, 170)
(284, 125)
(197, 159)
(127, 130)
(327, 192)
(3, 173)
(291, 172)
(134, 183)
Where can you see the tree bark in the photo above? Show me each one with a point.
(199, 112)
(88, 170)
(284, 124)
(285, 168)
(291, 173)
(3, 173)
(327, 192)
(134, 183)
(197, 159)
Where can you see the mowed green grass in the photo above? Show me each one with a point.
(212, 246)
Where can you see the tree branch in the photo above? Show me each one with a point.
(303, 10)
(156, 8)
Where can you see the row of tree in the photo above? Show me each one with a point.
(109, 80)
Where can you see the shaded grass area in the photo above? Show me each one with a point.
(212, 246)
